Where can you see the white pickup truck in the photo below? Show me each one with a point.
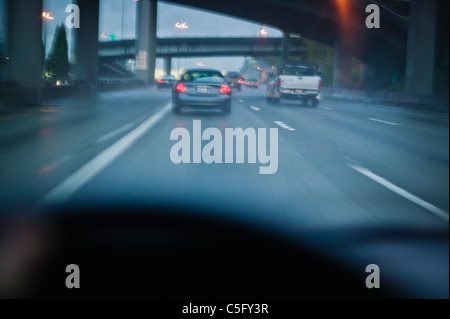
(295, 82)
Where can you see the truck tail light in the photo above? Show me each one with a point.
(279, 82)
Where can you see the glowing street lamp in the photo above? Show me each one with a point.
(46, 16)
(263, 32)
(181, 26)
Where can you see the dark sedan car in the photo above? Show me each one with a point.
(234, 80)
(252, 83)
(165, 82)
(202, 88)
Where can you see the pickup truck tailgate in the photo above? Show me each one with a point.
(300, 82)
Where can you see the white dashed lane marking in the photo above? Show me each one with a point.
(384, 122)
(284, 126)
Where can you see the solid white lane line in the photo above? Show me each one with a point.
(115, 133)
(78, 179)
(384, 122)
(254, 108)
(399, 191)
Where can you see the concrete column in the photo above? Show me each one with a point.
(146, 40)
(342, 74)
(86, 42)
(168, 65)
(285, 47)
(25, 47)
(421, 47)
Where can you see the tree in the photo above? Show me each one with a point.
(57, 65)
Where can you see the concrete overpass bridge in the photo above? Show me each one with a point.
(400, 44)
(168, 48)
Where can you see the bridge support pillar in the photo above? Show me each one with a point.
(421, 47)
(285, 47)
(25, 47)
(146, 40)
(342, 74)
(86, 42)
(168, 65)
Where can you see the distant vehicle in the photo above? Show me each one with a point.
(165, 82)
(252, 83)
(234, 80)
(202, 88)
(295, 82)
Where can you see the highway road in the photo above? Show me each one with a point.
(342, 163)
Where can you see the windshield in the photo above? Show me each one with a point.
(232, 75)
(214, 76)
(299, 71)
(141, 138)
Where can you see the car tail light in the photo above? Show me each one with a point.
(279, 82)
(240, 81)
(320, 84)
(181, 88)
(160, 81)
(225, 89)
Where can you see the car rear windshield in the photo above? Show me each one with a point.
(233, 75)
(202, 76)
(299, 71)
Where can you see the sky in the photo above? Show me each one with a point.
(201, 24)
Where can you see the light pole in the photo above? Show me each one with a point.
(123, 14)
(46, 16)
(180, 26)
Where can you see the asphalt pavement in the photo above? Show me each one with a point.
(341, 163)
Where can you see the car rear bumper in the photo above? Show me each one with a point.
(164, 85)
(296, 94)
(234, 84)
(193, 100)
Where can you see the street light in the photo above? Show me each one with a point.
(180, 26)
(263, 32)
(46, 16)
